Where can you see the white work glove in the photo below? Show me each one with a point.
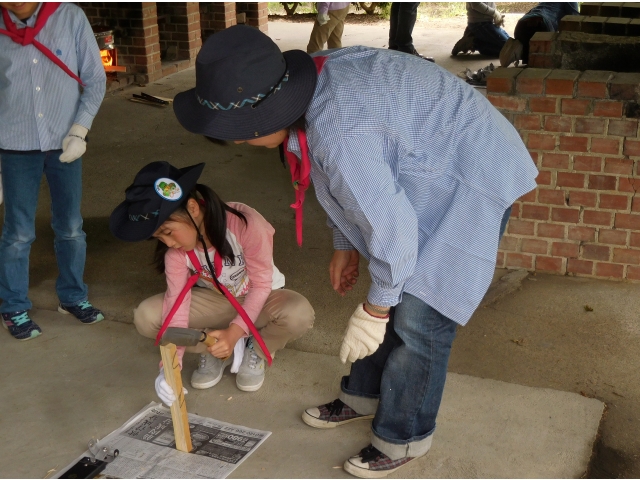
(164, 390)
(74, 145)
(363, 336)
(498, 18)
(322, 18)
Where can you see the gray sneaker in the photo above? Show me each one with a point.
(250, 376)
(209, 371)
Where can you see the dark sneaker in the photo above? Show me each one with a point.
(372, 463)
(20, 325)
(331, 415)
(464, 45)
(83, 311)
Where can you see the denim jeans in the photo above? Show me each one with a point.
(488, 39)
(402, 382)
(403, 17)
(21, 176)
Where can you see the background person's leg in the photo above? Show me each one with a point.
(318, 37)
(407, 15)
(336, 21)
(488, 39)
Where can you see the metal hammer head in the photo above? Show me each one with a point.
(182, 337)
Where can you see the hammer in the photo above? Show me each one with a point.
(186, 337)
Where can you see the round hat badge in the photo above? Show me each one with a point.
(168, 189)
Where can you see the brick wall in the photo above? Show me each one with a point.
(216, 16)
(581, 129)
(257, 14)
(179, 30)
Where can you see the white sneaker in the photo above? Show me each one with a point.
(250, 376)
(511, 52)
(209, 371)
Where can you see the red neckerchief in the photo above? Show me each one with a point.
(300, 169)
(217, 264)
(26, 36)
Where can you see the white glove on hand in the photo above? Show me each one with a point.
(322, 18)
(363, 336)
(498, 18)
(74, 145)
(164, 390)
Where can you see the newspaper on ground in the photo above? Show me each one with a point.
(146, 447)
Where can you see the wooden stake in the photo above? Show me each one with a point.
(179, 408)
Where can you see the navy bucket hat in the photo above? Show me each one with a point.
(246, 87)
(156, 192)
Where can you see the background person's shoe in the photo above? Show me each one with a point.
(511, 52)
(20, 326)
(83, 311)
(209, 371)
(331, 415)
(250, 376)
(372, 463)
(464, 45)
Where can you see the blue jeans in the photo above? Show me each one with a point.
(402, 19)
(488, 39)
(402, 382)
(21, 176)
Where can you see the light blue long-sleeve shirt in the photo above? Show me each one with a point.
(415, 170)
(38, 101)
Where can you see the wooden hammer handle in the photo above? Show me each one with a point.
(210, 341)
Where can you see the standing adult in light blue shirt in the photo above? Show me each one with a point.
(52, 83)
(417, 173)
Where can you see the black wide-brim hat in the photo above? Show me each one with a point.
(246, 87)
(157, 191)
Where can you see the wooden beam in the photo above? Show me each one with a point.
(179, 408)
(114, 68)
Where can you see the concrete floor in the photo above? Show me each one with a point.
(75, 382)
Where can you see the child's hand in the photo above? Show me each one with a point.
(227, 339)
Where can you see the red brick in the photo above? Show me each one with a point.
(633, 273)
(535, 212)
(635, 204)
(626, 220)
(574, 144)
(628, 184)
(500, 260)
(626, 255)
(574, 106)
(516, 104)
(549, 264)
(596, 252)
(602, 182)
(580, 198)
(582, 234)
(561, 82)
(615, 202)
(538, 141)
(528, 197)
(549, 230)
(593, 217)
(530, 245)
(604, 108)
(519, 260)
(565, 215)
(544, 177)
(605, 145)
(581, 267)
(531, 81)
(520, 227)
(632, 148)
(552, 197)
(611, 270)
(623, 128)
(515, 211)
(615, 165)
(509, 243)
(590, 125)
(557, 123)
(541, 43)
(567, 179)
(587, 164)
(555, 160)
(614, 237)
(634, 241)
(593, 83)
(527, 122)
(543, 105)
(559, 249)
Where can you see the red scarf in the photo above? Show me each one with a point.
(300, 169)
(26, 36)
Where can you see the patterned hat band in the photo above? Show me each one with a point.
(253, 101)
(144, 216)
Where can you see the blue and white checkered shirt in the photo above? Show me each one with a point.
(415, 170)
(38, 101)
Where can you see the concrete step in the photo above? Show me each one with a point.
(75, 382)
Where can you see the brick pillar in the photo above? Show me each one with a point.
(215, 17)
(146, 41)
(179, 26)
(257, 14)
